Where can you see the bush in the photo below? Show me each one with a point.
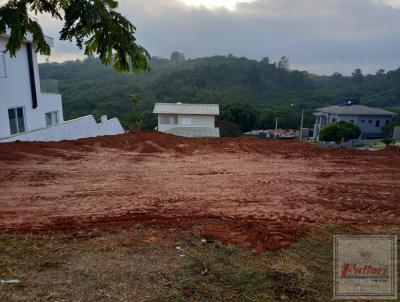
(338, 131)
(239, 112)
(228, 129)
(387, 141)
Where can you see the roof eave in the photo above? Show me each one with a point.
(323, 111)
(186, 113)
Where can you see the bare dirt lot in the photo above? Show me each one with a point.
(255, 193)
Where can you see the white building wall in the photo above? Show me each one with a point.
(15, 91)
(366, 123)
(71, 130)
(196, 121)
(165, 127)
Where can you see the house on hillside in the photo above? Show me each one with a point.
(369, 119)
(29, 114)
(190, 120)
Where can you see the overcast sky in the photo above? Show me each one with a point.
(320, 36)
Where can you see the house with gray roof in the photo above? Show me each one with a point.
(190, 120)
(369, 119)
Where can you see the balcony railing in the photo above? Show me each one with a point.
(49, 86)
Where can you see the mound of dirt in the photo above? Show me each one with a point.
(156, 142)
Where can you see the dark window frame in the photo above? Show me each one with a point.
(17, 120)
(3, 67)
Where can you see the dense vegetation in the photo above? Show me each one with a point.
(272, 89)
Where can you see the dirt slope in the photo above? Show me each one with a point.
(248, 191)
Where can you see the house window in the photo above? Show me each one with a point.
(370, 121)
(186, 121)
(16, 118)
(51, 118)
(377, 123)
(362, 121)
(352, 121)
(3, 70)
(169, 120)
(387, 122)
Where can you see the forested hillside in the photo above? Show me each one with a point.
(275, 91)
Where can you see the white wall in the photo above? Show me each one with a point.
(197, 121)
(15, 91)
(366, 127)
(71, 130)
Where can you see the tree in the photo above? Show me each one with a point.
(357, 76)
(265, 119)
(283, 63)
(149, 121)
(228, 129)
(177, 57)
(338, 131)
(337, 76)
(94, 24)
(265, 60)
(388, 129)
(134, 119)
(387, 142)
(239, 112)
(254, 77)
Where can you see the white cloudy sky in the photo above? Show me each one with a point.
(321, 36)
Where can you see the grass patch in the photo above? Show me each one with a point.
(120, 267)
(214, 272)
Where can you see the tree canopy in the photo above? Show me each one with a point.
(88, 87)
(95, 25)
(239, 112)
(338, 131)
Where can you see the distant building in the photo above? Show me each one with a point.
(369, 119)
(31, 112)
(190, 120)
(396, 133)
(282, 133)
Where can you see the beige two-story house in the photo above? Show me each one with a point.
(190, 120)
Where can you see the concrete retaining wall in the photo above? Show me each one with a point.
(71, 130)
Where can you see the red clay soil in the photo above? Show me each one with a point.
(256, 193)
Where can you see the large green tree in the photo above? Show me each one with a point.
(239, 112)
(133, 119)
(95, 25)
(338, 131)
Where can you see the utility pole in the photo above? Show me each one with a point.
(301, 124)
(276, 127)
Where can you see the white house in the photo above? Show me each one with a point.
(369, 119)
(27, 114)
(190, 120)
